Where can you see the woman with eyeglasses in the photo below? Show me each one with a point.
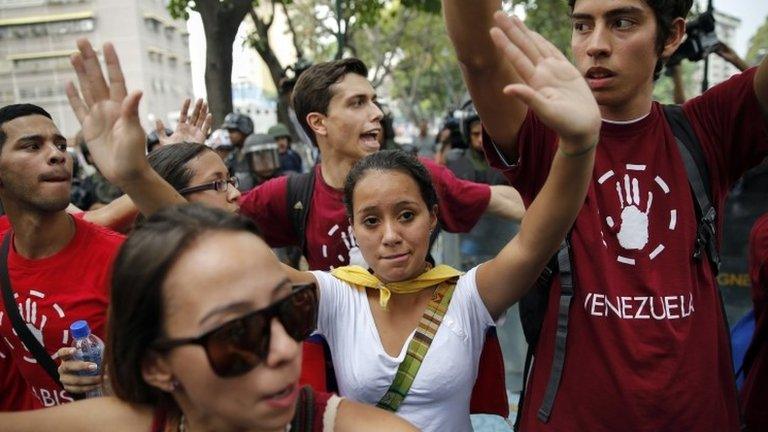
(206, 337)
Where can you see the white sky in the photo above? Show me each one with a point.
(752, 14)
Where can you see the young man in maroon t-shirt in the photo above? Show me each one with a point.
(647, 348)
(58, 265)
(334, 102)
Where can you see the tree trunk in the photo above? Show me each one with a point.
(263, 47)
(220, 21)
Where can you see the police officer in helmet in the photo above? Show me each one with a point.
(290, 161)
(239, 126)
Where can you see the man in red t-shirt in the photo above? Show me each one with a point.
(334, 102)
(58, 265)
(754, 393)
(647, 348)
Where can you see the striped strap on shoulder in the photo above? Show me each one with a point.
(417, 349)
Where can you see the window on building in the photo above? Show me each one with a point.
(152, 24)
(57, 28)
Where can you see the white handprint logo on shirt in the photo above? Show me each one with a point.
(28, 312)
(354, 255)
(633, 234)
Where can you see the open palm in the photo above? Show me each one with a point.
(109, 116)
(549, 84)
(193, 128)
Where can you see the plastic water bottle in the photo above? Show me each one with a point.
(89, 348)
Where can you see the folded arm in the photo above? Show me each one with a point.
(95, 415)
(506, 202)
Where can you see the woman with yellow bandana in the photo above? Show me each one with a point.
(407, 336)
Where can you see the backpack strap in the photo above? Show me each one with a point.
(299, 196)
(19, 326)
(533, 307)
(418, 347)
(698, 177)
(565, 267)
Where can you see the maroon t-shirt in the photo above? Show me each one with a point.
(647, 346)
(52, 293)
(754, 393)
(330, 242)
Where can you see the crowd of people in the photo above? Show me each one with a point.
(239, 287)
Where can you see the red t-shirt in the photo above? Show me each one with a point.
(754, 394)
(330, 242)
(52, 293)
(647, 346)
(15, 396)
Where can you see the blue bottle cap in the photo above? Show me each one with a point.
(80, 329)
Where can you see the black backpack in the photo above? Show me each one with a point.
(533, 306)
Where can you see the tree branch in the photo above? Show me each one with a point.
(292, 29)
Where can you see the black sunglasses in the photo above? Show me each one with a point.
(237, 346)
(217, 185)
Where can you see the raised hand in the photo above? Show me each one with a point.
(109, 116)
(550, 85)
(193, 129)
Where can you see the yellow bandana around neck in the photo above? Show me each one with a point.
(359, 276)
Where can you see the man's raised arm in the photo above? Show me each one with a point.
(109, 116)
(485, 69)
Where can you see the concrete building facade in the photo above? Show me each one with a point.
(37, 37)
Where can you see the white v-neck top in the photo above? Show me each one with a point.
(439, 397)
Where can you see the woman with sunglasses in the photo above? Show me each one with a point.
(205, 337)
(198, 174)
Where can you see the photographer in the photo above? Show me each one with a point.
(700, 41)
(724, 51)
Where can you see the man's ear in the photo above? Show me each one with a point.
(675, 39)
(316, 122)
(157, 372)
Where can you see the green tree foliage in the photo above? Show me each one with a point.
(551, 19)
(318, 28)
(413, 62)
(758, 44)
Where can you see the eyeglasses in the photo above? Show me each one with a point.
(237, 346)
(217, 185)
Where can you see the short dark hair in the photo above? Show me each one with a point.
(313, 91)
(135, 318)
(666, 11)
(390, 160)
(170, 161)
(11, 112)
